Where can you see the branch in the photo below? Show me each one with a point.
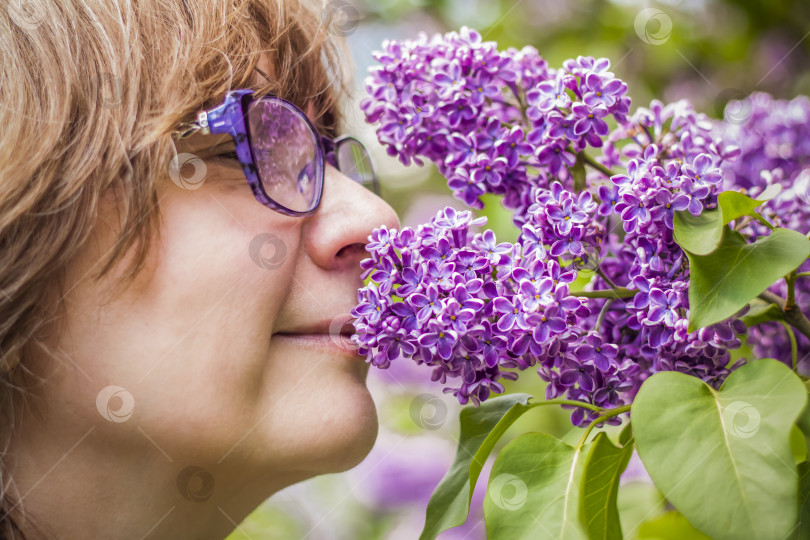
(596, 165)
(618, 292)
(793, 316)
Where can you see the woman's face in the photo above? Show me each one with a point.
(228, 341)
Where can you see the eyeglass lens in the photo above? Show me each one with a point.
(285, 150)
(353, 161)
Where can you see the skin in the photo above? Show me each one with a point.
(230, 366)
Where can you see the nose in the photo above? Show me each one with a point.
(335, 236)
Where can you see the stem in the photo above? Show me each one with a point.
(521, 106)
(794, 348)
(803, 274)
(602, 314)
(604, 276)
(504, 103)
(618, 292)
(596, 165)
(582, 404)
(793, 316)
(610, 413)
(790, 281)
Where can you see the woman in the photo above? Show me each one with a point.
(173, 347)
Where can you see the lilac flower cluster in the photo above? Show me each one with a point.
(505, 123)
(471, 308)
(488, 118)
(774, 139)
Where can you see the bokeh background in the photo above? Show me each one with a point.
(709, 51)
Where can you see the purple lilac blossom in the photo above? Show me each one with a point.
(477, 310)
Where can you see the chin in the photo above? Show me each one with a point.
(324, 419)
(349, 428)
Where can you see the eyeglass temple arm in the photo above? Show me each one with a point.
(187, 129)
(329, 150)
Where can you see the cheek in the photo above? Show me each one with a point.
(217, 291)
(190, 340)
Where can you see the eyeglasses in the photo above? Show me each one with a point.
(282, 154)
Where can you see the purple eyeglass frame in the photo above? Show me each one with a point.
(229, 117)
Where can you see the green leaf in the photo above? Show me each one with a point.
(626, 435)
(702, 234)
(481, 427)
(770, 192)
(699, 234)
(798, 445)
(724, 281)
(723, 457)
(734, 205)
(804, 419)
(669, 526)
(802, 531)
(533, 490)
(600, 487)
(762, 311)
(638, 502)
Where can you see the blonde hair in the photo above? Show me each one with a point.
(90, 92)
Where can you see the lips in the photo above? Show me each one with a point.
(341, 325)
(332, 336)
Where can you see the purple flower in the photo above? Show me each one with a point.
(427, 304)
(512, 313)
(488, 246)
(549, 95)
(601, 93)
(371, 305)
(566, 216)
(703, 170)
(449, 80)
(439, 340)
(668, 204)
(663, 306)
(573, 372)
(547, 324)
(596, 351)
(455, 317)
(536, 295)
(590, 120)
